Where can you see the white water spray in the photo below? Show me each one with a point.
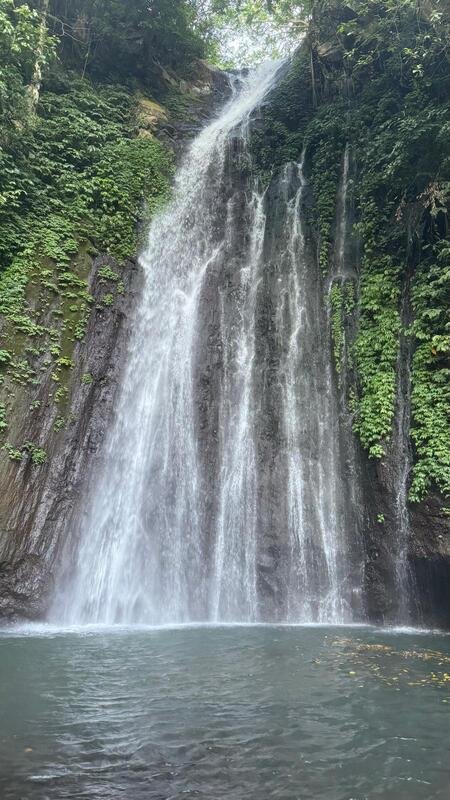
(171, 531)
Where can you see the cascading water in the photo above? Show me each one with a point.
(344, 276)
(234, 575)
(315, 497)
(221, 494)
(341, 261)
(402, 463)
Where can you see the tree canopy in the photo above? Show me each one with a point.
(122, 39)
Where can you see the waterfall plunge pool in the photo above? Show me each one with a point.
(224, 713)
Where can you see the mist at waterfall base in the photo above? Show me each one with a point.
(225, 490)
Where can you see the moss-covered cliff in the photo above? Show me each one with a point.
(85, 159)
(371, 84)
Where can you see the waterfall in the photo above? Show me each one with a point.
(341, 262)
(402, 464)
(309, 418)
(234, 577)
(221, 493)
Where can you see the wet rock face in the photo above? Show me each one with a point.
(202, 98)
(25, 588)
(38, 501)
(429, 563)
(427, 558)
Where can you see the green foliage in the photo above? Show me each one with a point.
(130, 170)
(375, 75)
(61, 394)
(22, 45)
(13, 453)
(65, 362)
(108, 300)
(38, 456)
(397, 121)
(81, 170)
(375, 353)
(250, 31)
(325, 142)
(430, 402)
(3, 421)
(349, 297)
(74, 177)
(108, 274)
(80, 177)
(279, 136)
(126, 40)
(402, 151)
(337, 324)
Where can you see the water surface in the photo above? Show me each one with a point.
(227, 713)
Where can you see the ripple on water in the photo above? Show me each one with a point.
(224, 712)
